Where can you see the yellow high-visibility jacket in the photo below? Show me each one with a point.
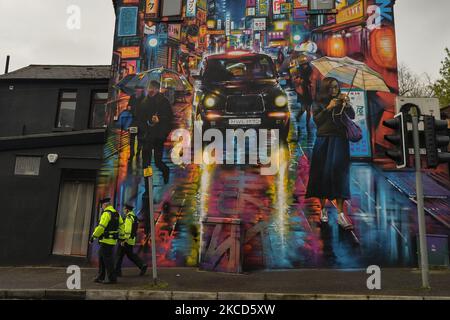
(104, 220)
(128, 226)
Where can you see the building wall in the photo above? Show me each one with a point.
(30, 203)
(31, 107)
(229, 218)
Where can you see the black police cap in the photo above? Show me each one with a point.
(105, 200)
(129, 206)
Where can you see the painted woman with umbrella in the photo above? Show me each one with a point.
(329, 176)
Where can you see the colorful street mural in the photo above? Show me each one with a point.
(265, 62)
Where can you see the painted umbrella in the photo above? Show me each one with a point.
(349, 71)
(295, 59)
(166, 77)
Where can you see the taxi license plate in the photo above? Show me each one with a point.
(244, 121)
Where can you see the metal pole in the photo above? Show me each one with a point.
(152, 224)
(420, 204)
(7, 64)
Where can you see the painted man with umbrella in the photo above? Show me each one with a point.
(156, 114)
(329, 177)
(302, 84)
(153, 115)
(298, 65)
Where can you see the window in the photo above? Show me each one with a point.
(171, 8)
(27, 166)
(98, 109)
(66, 109)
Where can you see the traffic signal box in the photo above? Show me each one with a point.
(399, 139)
(436, 141)
(434, 138)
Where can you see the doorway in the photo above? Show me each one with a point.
(74, 214)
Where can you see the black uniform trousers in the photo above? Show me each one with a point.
(127, 250)
(106, 262)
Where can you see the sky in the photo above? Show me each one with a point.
(36, 32)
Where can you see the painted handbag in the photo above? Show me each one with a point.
(354, 132)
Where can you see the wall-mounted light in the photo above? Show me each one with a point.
(52, 158)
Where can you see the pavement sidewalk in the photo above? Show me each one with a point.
(192, 284)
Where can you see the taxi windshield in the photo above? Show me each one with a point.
(244, 68)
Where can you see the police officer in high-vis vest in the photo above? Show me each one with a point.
(128, 240)
(107, 233)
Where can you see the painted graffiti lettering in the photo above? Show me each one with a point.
(236, 187)
(386, 9)
(224, 200)
(376, 14)
(223, 246)
(227, 252)
(374, 20)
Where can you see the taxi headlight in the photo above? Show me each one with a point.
(281, 101)
(209, 101)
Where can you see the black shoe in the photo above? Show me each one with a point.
(98, 280)
(143, 270)
(109, 281)
(119, 274)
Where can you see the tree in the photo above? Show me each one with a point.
(413, 85)
(442, 86)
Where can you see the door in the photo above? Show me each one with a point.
(73, 218)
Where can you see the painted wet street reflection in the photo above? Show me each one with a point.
(227, 212)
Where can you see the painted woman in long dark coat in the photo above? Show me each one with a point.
(329, 177)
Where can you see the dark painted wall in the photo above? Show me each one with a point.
(32, 106)
(29, 204)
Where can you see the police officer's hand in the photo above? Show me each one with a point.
(122, 243)
(91, 240)
(155, 119)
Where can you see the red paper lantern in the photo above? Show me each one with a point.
(383, 48)
(336, 47)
